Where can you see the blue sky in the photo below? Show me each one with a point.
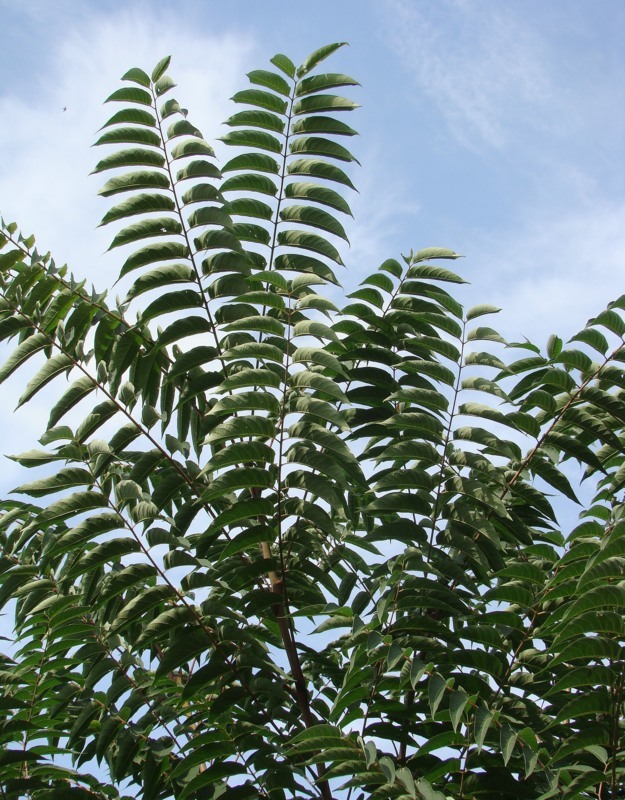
(495, 129)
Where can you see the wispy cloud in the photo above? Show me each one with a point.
(44, 183)
(382, 211)
(476, 61)
(537, 100)
(46, 155)
(552, 272)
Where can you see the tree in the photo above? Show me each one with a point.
(275, 548)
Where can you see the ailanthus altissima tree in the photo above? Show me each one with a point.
(276, 548)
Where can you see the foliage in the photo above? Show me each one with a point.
(276, 548)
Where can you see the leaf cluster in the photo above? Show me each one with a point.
(279, 548)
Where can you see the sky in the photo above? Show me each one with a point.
(494, 129)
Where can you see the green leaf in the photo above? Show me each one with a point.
(111, 551)
(247, 401)
(256, 119)
(611, 320)
(242, 478)
(250, 183)
(605, 596)
(240, 453)
(132, 181)
(249, 538)
(200, 193)
(218, 771)
(319, 123)
(147, 228)
(446, 739)
(320, 103)
(182, 127)
(318, 146)
(241, 511)
(317, 329)
(85, 531)
(318, 194)
(285, 64)
(180, 328)
(152, 253)
(573, 447)
(34, 458)
(259, 350)
(272, 80)
(318, 408)
(185, 648)
(250, 377)
(312, 380)
(217, 239)
(481, 310)
(323, 81)
(138, 116)
(33, 344)
(586, 649)
(485, 334)
(249, 207)
(553, 476)
(593, 338)
(256, 426)
(309, 241)
(313, 355)
(63, 479)
(388, 768)
(170, 107)
(261, 323)
(261, 99)
(317, 57)
(192, 147)
(421, 397)
(130, 135)
(436, 689)
(132, 157)
(130, 94)
(253, 138)
(315, 217)
(483, 719)
(163, 85)
(200, 168)
(209, 215)
(369, 295)
(198, 356)
(259, 162)
(170, 302)
(76, 503)
(508, 738)
(137, 76)
(298, 262)
(160, 277)
(160, 69)
(249, 232)
(139, 204)
(457, 704)
(139, 605)
(316, 168)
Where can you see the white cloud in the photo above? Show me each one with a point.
(551, 273)
(479, 63)
(44, 173)
(44, 183)
(382, 210)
